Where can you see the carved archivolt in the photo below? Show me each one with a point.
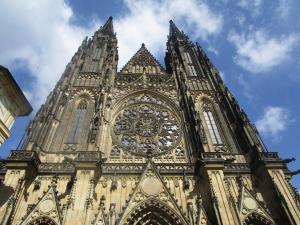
(257, 219)
(205, 99)
(153, 211)
(42, 221)
(83, 94)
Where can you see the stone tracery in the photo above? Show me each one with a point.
(146, 128)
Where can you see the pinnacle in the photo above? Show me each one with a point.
(174, 31)
(108, 26)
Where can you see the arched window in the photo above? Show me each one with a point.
(212, 125)
(77, 122)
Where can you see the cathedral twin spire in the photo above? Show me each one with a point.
(109, 29)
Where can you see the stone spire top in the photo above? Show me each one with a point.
(108, 27)
(174, 31)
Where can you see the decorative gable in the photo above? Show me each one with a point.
(46, 210)
(143, 62)
(250, 207)
(151, 187)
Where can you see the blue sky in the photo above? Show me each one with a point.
(254, 44)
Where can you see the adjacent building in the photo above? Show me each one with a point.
(13, 103)
(144, 145)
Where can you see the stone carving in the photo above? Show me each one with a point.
(151, 186)
(45, 211)
(249, 203)
(42, 220)
(59, 168)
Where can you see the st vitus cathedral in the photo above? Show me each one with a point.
(144, 146)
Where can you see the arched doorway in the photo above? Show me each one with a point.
(257, 219)
(42, 221)
(153, 212)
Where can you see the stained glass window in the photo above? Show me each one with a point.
(212, 126)
(190, 64)
(147, 129)
(96, 58)
(77, 123)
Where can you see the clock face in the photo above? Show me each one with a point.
(146, 129)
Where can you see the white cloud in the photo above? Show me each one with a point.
(250, 5)
(274, 121)
(147, 21)
(241, 19)
(246, 90)
(284, 7)
(257, 52)
(38, 34)
(213, 50)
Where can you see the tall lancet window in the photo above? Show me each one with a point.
(97, 53)
(212, 125)
(77, 122)
(190, 65)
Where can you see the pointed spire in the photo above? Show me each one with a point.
(108, 27)
(174, 31)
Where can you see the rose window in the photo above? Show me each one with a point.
(146, 129)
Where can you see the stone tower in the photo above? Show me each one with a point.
(146, 145)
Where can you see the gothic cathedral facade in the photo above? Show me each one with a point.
(147, 145)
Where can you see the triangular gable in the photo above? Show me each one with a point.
(143, 62)
(248, 204)
(151, 186)
(46, 208)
